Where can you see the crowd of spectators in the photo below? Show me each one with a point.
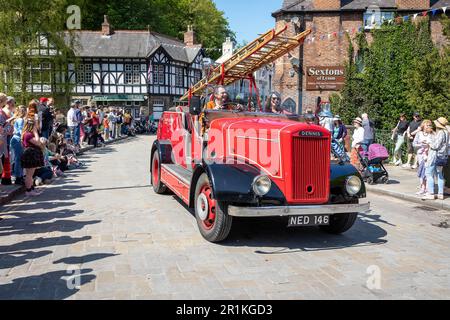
(39, 142)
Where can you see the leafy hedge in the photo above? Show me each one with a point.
(401, 71)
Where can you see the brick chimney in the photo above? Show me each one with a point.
(412, 4)
(327, 4)
(107, 29)
(189, 37)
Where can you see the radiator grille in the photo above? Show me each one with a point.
(311, 166)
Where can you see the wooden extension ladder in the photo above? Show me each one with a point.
(242, 65)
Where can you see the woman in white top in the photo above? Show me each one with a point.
(358, 138)
(358, 135)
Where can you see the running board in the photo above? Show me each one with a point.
(177, 179)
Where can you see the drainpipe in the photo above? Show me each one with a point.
(300, 71)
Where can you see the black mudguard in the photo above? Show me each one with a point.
(165, 151)
(232, 183)
(339, 174)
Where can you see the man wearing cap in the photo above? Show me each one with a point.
(47, 119)
(369, 132)
(42, 106)
(413, 129)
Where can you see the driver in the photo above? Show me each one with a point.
(220, 99)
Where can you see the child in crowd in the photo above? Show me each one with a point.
(44, 175)
(106, 126)
(59, 163)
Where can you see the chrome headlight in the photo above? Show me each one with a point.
(353, 185)
(262, 185)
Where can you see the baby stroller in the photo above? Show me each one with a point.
(373, 170)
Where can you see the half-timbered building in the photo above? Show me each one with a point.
(134, 69)
(142, 71)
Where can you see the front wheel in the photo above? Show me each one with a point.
(340, 223)
(212, 216)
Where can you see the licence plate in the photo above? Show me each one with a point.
(309, 221)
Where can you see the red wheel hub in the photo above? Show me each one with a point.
(206, 207)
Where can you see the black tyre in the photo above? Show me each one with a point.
(385, 180)
(158, 186)
(370, 181)
(212, 216)
(340, 223)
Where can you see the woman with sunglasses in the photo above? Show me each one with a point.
(273, 104)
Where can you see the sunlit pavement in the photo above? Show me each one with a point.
(102, 233)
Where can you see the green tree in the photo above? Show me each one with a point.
(352, 100)
(170, 17)
(25, 29)
(389, 76)
(428, 81)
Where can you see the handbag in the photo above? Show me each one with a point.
(441, 162)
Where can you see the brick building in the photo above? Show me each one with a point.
(322, 61)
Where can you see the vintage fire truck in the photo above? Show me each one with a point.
(235, 163)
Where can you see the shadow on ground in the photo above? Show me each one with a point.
(55, 285)
(273, 232)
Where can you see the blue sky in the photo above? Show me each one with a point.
(249, 18)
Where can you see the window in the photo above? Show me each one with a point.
(158, 74)
(136, 77)
(197, 76)
(374, 18)
(290, 105)
(128, 78)
(84, 74)
(132, 74)
(179, 77)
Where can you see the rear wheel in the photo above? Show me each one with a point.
(158, 186)
(212, 216)
(340, 223)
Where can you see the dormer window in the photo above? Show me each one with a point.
(375, 18)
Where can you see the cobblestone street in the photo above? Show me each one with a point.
(105, 229)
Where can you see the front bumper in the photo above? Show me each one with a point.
(258, 212)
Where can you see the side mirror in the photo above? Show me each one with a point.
(195, 106)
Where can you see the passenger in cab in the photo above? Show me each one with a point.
(273, 104)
